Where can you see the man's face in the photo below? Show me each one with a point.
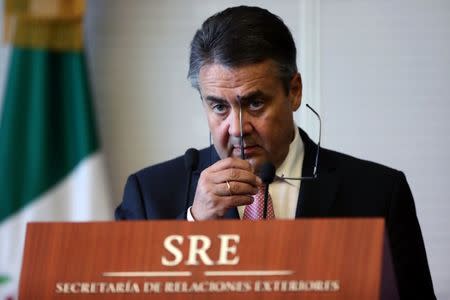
(267, 111)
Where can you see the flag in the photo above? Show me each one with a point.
(51, 164)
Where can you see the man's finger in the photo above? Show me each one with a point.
(235, 201)
(238, 175)
(230, 162)
(233, 188)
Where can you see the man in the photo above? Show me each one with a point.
(243, 63)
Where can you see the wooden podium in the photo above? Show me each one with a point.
(301, 259)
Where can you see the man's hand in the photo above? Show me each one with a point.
(214, 196)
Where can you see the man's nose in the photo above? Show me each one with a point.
(234, 128)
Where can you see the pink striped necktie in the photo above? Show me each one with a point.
(255, 210)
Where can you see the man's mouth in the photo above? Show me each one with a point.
(248, 150)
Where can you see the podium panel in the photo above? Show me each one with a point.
(300, 259)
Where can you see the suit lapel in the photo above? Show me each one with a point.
(316, 196)
(232, 213)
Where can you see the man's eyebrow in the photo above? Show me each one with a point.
(245, 98)
(215, 99)
(253, 95)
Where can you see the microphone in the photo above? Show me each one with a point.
(190, 163)
(267, 174)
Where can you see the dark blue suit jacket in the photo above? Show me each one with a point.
(345, 187)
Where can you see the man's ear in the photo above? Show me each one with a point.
(295, 91)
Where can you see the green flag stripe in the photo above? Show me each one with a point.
(4, 279)
(47, 125)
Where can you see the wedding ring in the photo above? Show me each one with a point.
(229, 188)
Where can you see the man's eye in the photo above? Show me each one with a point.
(255, 104)
(219, 108)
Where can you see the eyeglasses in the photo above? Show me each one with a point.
(240, 127)
(315, 173)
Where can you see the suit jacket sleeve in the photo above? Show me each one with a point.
(154, 193)
(408, 250)
(132, 206)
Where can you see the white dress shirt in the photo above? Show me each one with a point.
(284, 193)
